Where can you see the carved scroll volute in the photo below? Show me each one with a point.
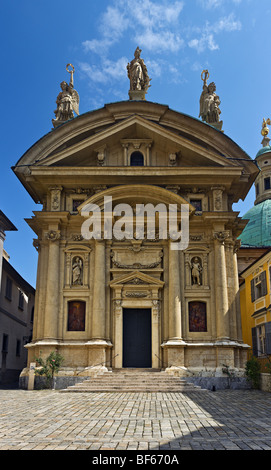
(156, 309)
(118, 307)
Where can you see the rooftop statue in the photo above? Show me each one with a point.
(139, 78)
(209, 103)
(67, 101)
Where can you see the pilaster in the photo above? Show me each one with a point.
(221, 294)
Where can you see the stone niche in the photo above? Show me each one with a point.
(196, 268)
(77, 267)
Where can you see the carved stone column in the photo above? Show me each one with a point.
(175, 328)
(98, 314)
(52, 291)
(222, 305)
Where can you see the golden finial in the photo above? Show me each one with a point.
(265, 130)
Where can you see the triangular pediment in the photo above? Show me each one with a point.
(82, 150)
(95, 150)
(137, 278)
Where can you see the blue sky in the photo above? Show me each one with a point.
(178, 38)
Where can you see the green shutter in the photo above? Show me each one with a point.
(252, 286)
(263, 282)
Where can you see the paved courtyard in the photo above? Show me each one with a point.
(50, 420)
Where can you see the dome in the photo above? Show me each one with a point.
(264, 150)
(258, 230)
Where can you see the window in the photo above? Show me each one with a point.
(18, 348)
(21, 300)
(76, 203)
(137, 159)
(257, 189)
(8, 288)
(76, 316)
(5, 343)
(258, 286)
(266, 184)
(261, 339)
(197, 317)
(32, 315)
(197, 204)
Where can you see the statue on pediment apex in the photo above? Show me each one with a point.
(139, 78)
(67, 100)
(209, 103)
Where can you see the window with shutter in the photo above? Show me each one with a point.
(258, 286)
(268, 338)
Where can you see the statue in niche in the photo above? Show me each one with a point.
(67, 100)
(138, 75)
(209, 102)
(196, 270)
(77, 271)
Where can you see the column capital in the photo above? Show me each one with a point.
(221, 236)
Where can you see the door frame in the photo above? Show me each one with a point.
(149, 313)
(119, 305)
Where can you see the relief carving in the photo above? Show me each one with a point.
(135, 254)
(52, 235)
(221, 236)
(137, 295)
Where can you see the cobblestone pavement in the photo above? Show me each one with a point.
(50, 420)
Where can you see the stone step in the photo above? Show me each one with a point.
(128, 385)
(133, 381)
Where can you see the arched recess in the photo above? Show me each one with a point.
(137, 159)
(136, 193)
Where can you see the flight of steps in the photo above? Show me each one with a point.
(134, 380)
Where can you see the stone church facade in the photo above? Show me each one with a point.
(110, 303)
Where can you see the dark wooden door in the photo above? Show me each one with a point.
(137, 337)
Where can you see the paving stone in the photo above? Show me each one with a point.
(50, 420)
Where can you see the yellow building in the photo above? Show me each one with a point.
(255, 297)
(255, 292)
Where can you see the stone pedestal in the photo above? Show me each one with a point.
(137, 95)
